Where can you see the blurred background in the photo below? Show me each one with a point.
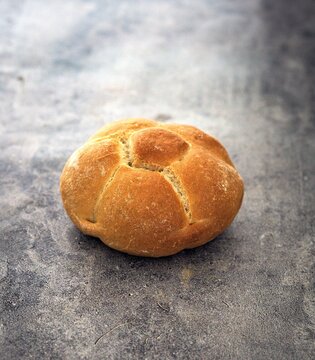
(240, 70)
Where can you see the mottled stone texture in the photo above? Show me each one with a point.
(242, 70)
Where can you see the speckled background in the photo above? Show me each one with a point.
(242, 70)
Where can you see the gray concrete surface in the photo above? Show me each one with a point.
(241, 70)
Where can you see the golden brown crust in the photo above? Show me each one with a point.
(216, 192)
(83, 177)
(157, 147)
(198, 137)
(139, 210)
(151, 189)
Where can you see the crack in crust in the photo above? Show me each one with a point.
(102, 192)
(125, 150)
(166, 172)
(170, 176)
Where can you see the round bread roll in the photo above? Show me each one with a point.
(151, 189)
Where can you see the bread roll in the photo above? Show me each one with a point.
(151, 189)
